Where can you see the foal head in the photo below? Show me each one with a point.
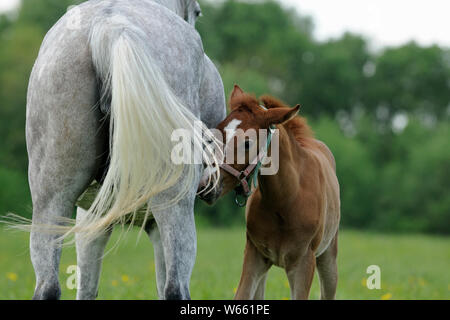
(245, 135)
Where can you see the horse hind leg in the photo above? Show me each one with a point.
(300, 275)
(176, 241)
(89, 261)
(260, 291)
(54, 193)
(45, 253)
(57, 178)
(160, 264)
(65, 141)
(50, 203)
(327, 270)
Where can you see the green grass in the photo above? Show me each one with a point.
(412, 267)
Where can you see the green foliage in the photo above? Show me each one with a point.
(43, 13)
(418, 182)
(356, 174)
(407, 191)
(14, 193)
(258, 38)
(224, 213)
(333, 79)
(411, 78)
(252, 80)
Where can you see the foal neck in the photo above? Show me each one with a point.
(285, 182)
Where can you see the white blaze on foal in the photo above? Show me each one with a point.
(230, 129)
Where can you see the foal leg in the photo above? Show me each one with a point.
(300, 276)
(254, 271)
(89, 260)
(260, 291)
(160, 264)
(327, 269)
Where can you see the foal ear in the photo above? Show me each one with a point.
(280, 115)
(236, 94)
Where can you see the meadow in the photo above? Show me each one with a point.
(412, 267)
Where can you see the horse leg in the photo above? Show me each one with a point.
(259, 294)
(178, 237)
(54, 196)
(64, 142)
(160, 264)
(327, 269)
(300, 275)
(45, 252)
(253, 275)
(89, 260)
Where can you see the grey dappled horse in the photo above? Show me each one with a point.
(139, 64)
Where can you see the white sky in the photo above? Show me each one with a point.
(7, 4)
(385, 22)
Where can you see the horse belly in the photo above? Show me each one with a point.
(331, 219)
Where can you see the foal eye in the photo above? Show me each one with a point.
(198, 13)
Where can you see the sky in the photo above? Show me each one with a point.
(7, 4)
(384, 22)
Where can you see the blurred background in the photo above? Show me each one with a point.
(373, 79)
(380, 100)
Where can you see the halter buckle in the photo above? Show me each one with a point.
(242, 176)
(243, 201)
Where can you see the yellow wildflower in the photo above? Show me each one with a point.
(364, 282)
(12, 276)
(386, 296)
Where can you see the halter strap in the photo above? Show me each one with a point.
(250, 173)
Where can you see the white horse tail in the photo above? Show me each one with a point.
(143, 114)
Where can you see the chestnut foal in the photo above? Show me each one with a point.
(292, 216)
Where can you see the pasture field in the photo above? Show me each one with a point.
(412, 267)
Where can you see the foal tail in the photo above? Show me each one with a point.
(143, 114)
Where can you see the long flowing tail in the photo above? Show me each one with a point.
(144, 112)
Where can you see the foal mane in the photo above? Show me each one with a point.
(297, 126)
